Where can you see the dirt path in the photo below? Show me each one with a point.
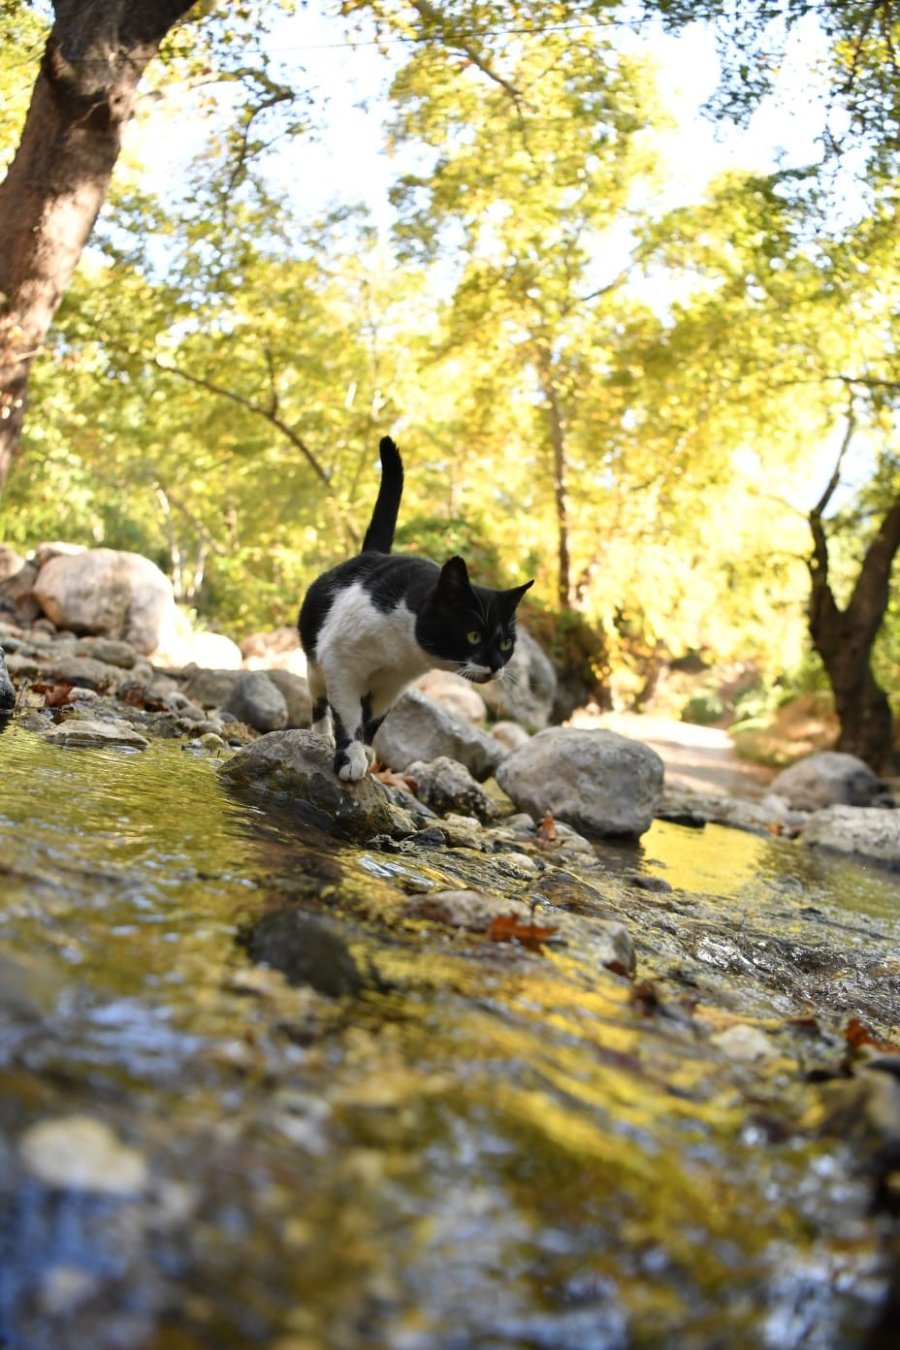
(703, 758)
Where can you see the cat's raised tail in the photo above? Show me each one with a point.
(380, 534)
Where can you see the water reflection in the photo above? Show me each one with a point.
(470, 1146)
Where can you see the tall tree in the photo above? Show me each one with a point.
(95, 55)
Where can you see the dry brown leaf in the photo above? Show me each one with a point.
(509, 928)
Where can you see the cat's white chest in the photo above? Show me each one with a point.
(380, 648)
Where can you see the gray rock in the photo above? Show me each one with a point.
(295, 768)
(527, 689)
(210, 688)
(866, 831)
(598, 781)
(7, 692)
(417, 728)
(771, 816)
(510, 735)
(109, 593)
(295, 692)
(446, 785)
(17, 594)
(84, 731)
(109, 651)
(454, 693)
(255, 701)
(829, 778)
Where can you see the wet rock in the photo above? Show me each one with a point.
(255, 701)
(295, 767)
(687, 806)
(604, 943)
(81, 1153)
(7, 692)
(457, 695)
(828, 779)
(464, 832)
(598, 781)
(446, 785)
(87, 732)
(107, 592)
(868, 832)
(526, 690)
(306, 951)
(416, 728)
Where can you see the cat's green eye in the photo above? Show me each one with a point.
(473, 637)
(506, 645)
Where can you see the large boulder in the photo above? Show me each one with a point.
(417, 728)
(598, 781)
(829, 779)
(526, 690)
(866, 832)
(295, 768)
(107, 592)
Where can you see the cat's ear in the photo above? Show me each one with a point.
(453, 583)
(512, 597)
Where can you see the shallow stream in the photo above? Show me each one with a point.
(480, 1146)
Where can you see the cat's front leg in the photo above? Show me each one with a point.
(350, 759)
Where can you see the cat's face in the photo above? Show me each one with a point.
(467, 628)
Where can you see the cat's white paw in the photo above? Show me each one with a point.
(354, 762)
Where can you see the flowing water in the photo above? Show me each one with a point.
(481, 1146)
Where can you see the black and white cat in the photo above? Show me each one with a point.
(373, 624)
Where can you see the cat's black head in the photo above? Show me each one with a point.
(469, 628)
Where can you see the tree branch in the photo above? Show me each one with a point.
(270, 416)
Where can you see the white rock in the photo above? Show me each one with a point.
(82, 1153)
(108, 592)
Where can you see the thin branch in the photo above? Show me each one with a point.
(253, 407)
(835, 478)
(429, 14)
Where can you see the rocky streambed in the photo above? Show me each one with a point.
(285, 1064)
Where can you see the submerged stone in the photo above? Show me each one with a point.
(306, 951)
(81, 1153)
(83, 731)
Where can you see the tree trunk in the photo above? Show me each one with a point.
(560, 486)
(844, 639)
(49, 201)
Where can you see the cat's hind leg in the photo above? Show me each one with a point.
(321, 712)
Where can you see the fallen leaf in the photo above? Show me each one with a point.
(858, 1034)
(546, 835)
(391, 779)
(55, 695)
(508, 928)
